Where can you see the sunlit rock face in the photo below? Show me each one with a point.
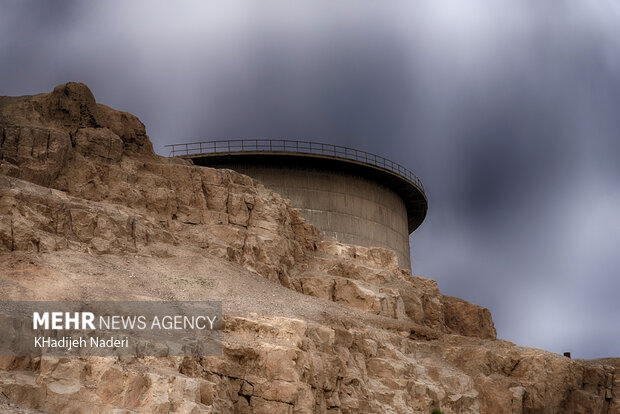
(89, 212)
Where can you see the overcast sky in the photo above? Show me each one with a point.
(509, 111)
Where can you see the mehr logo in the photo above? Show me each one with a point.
(86, 321)
(111, 328)
(63, 320)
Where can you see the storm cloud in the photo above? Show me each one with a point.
(509, 111)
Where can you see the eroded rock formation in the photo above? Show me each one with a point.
(88, 211)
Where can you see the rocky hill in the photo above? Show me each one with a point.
(89, 212)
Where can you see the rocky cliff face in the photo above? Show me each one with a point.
(88, 211)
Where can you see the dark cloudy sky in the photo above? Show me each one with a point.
(509, 111)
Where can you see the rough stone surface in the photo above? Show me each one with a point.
(89, 212)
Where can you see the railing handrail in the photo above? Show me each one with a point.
(293, 146)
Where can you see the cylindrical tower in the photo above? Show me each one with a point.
(351, 195)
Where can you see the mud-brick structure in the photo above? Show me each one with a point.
(355, 196)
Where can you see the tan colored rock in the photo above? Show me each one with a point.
(87, 211)
(467, 319)
(321, 287)
(99, 142)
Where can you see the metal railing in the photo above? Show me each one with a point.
(291, 146)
